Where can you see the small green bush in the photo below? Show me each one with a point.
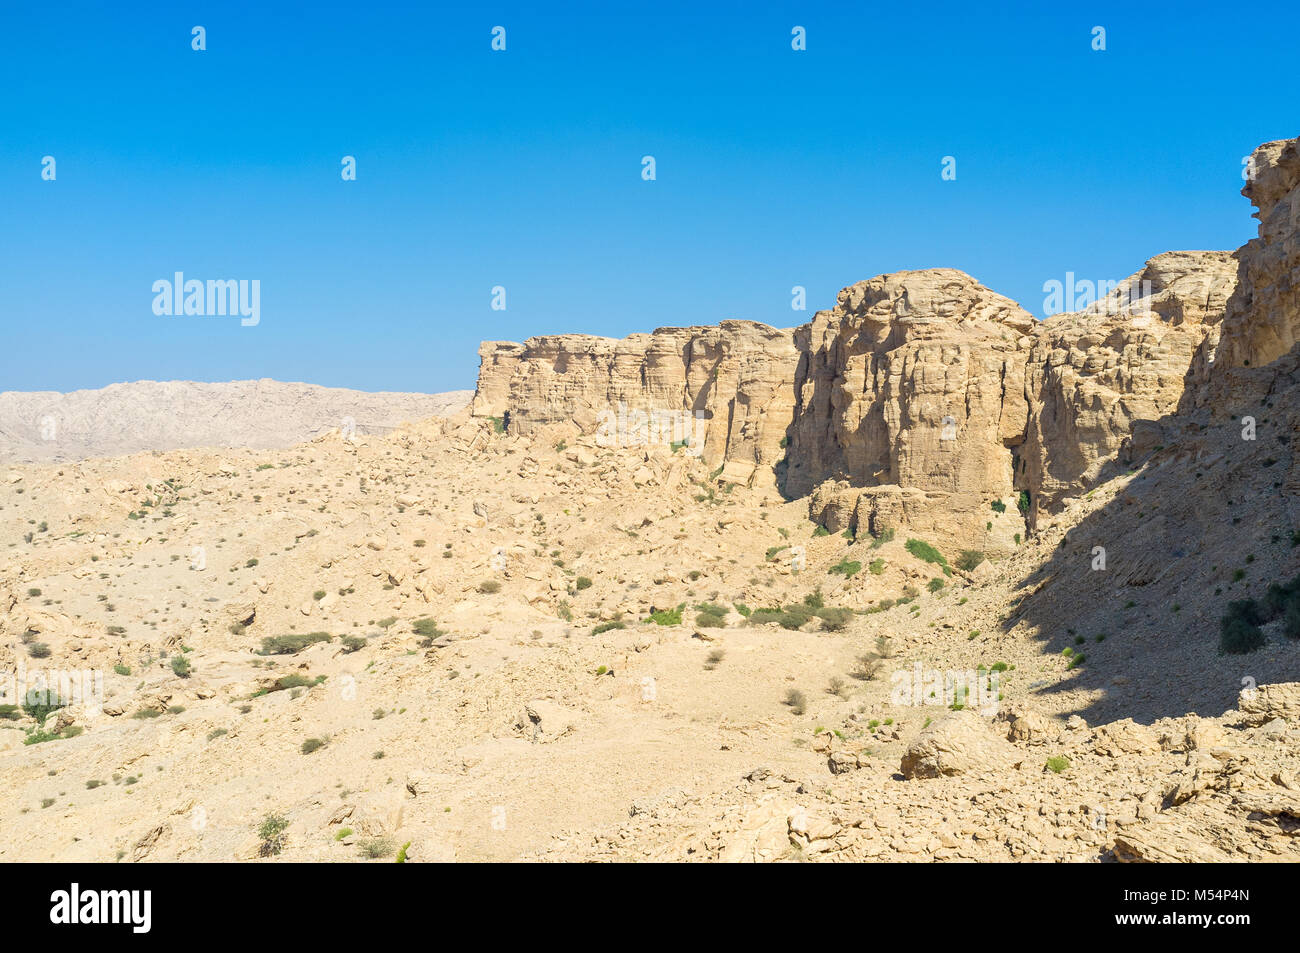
(923, 550)
(1239, 631)
(667, 616)
(271, 834)
(835, 620)
(291, 644)
(376, 847)
(848, 568)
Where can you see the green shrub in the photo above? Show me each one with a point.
(1022, 502)
(608, 627)
(352, 643)
(291, 644)
(923, 550)
(38, 735)
(271, 834)
(313, 744)
(428, 631)
(1291, 621)
(821, 531)
(835, 620)
(376, 847)
(935, 584)
(998, 506)
(582, 582)
(294, 680)
(181, 666)
(794, 617)
(1239, 630)
(667, 616)
(969, 559)
(846, 567)
(710, 620)
(1058, 764)
(877, 567)
(884, 536)
(1279, 598)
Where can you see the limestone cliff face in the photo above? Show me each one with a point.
(1099, 377)
(910, 393)
(1263, 317)
(731, 384)
(925, 402)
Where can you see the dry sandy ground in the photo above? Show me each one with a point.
(513, 730)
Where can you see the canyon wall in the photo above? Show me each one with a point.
(925, 402)
(729, 389)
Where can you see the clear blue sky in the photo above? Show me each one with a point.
(523, 169)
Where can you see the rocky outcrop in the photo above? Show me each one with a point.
(1100, 377)
(910, 394)
(923, 400)
(1263, 317)
(726, 392)
(960, 742)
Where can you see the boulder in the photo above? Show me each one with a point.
(957, 743)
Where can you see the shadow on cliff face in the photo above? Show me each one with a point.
(1139, 584)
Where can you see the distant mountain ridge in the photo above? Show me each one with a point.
(52, 427)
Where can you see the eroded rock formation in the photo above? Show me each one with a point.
(729, 387)
(923, 400)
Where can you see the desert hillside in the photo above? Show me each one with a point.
(923, 579)
(46, 426)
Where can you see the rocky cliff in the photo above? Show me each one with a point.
(911, 391)
(1263, 317)
(727, 392)
(924, 400)
(1097, 378)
